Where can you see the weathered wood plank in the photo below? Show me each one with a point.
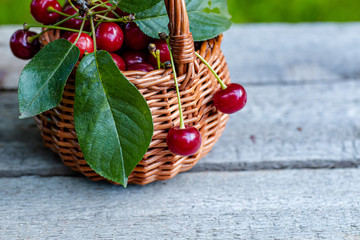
(311, 126)
(294, 204)
(293, 53)
(261, 53)
(21, 148)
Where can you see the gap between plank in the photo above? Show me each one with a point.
(226, 167)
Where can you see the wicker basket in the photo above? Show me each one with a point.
(197, 86)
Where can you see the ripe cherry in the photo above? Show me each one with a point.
(109, 36)
(20, 45)
(121, 13)
(143, 67)
(85, 43)
(118, 61)
(134, 57)
(135, 38)
(39, 10)
(197, 45)
(230, 100)
(73, 22)
(184, 142)
(164, 52)
(65, 35)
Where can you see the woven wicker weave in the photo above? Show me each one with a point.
(197, 86)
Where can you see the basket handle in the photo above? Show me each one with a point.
(181, 39)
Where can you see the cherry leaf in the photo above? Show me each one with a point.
(207, 19)
(43, 79)
(135, 6)
(113, 121)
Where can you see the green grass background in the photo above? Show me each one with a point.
(243, 11)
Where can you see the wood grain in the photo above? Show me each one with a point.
(294, 204)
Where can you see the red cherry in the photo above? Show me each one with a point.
(121, 13)
(73, 22)
(118, 61)
(143, 67)
(39, 10)
(135, 38)
(164, 52)
(230, 100)
(109, 36)
(65, 35)
(134, 57)
(20, 46)
(85, 43)
(197, 45)
(184, 142)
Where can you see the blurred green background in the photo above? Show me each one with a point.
(243, 11)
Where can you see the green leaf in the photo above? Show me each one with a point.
(135, 6)
(153, 21)
(205, 26)
(113, 121)
(43, 79)
(207, 19)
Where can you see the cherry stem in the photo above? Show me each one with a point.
(93, 31)
(109, 9)
(112, 11)
(77, 10)
(53, 27)
(182, 125)
(51, 9)
(124, 19)
(98, 5)
(99, 1)
(31, 39)
(81, 28)
(100, 12)
(105, 18)
(158, 58)
(223, 85)
(26, 27)
(48, 28)
(66, 19)
(153, 53)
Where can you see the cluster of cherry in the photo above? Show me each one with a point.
(130, 48)
(123, 39)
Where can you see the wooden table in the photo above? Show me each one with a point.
(287, 167)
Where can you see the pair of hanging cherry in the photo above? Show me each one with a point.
(186, 140)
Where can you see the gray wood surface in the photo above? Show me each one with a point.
(259, 182)
(301, 126)
(293, 53)
(21, 149)
(293, 204)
